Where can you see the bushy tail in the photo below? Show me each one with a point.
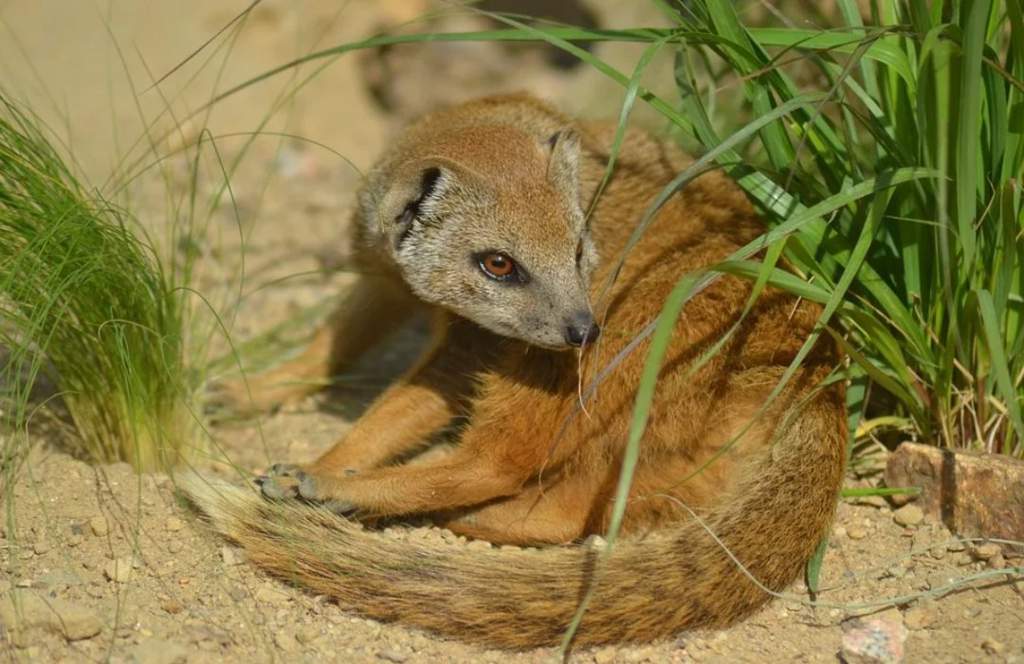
(524, 598)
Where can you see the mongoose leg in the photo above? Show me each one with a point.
(474, 472)
(433, 392)
(373, 304)
(548, 514)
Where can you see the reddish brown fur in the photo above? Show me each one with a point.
(531, 467)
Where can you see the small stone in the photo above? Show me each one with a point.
(996, 562)
(839, 532)
(74, 540)
(58, 580)
(941, 580)
(30, 612)
(954, 545)
(920, 617)
(992, 647)
(857, 532)
(172, 606)
(158, 651)
(975, 492)
(872, 501)
(271, 595)
(232, 555)
(175, 546)
(95, 590)
(897, 571)
(604, 656)
(286, 642)
(173, 524)
(392, 656)
(307, 634)
(40, 547)
(876, 639)
(986, 551)
(99, 526)
(908, 515)
(119, 570)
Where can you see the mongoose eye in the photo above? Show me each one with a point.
(579, 252)
(497, 266)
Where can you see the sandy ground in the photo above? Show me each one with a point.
(124, 571)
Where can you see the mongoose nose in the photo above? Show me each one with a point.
(581, 330)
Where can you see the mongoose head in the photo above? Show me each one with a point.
(486, 221)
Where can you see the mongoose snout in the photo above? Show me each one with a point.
(581, 329)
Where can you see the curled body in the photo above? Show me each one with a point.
(476, 215)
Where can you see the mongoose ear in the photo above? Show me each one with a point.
(564, 163)
(414, 196)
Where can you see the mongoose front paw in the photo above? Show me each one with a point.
(281, 481)
(288, 481)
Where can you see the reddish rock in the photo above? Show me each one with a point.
(974, 494)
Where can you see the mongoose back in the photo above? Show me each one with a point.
(476, 215)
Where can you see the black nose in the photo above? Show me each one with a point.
(581, 330)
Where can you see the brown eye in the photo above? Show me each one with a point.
(498, 266)
(579, 252)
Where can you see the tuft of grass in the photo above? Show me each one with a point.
(933, 313)
(86, 304)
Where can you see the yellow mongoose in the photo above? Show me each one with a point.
(476, 213)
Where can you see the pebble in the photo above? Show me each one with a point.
(856, 532)
(173, 524)
(986, 551)
(58, 580)
(876, 639)
(920, 617)
(175, 546)
(99, 526)
(605, 656)
(271, 595)
(963, 558)
(873, 501)
(839, 532)
(286, 642)
(41, 546)
(941, 580)
(992, 647)
(58, 616)
(172, 606)
(908, 515)
(74, 540)
(392, 656)
(955, 544)
(306, 635)
(232, 555)
(158, 651)
(119, 569)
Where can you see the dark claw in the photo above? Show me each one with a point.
(272, 490)
(307, 486)
(340, 507)
(284, 470)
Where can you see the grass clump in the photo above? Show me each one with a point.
(933, 312)
(86, 304)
